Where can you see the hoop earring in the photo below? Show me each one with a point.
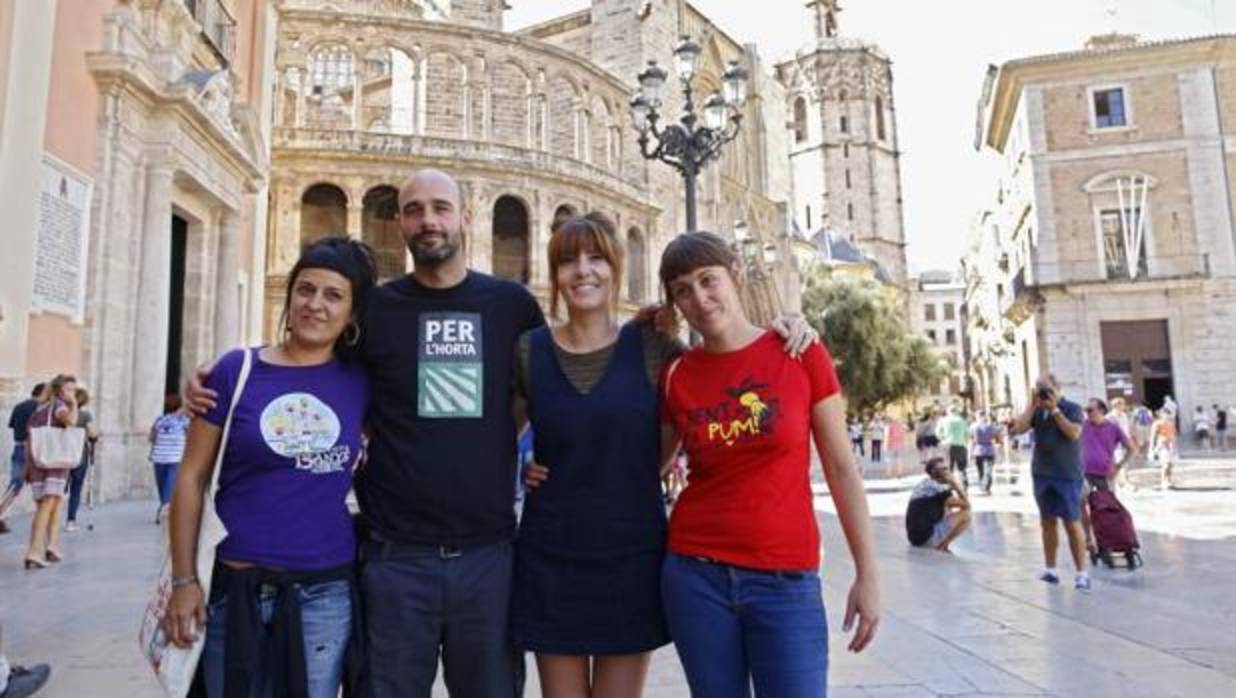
(356, 334)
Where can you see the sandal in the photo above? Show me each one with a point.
(33, 563)
(54, 556)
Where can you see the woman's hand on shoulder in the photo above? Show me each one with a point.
(797, 333)
(197, 397)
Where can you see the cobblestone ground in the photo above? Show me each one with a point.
(978, 623)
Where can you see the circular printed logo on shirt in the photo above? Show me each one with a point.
(299, 424)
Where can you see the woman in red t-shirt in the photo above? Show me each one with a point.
(741, 585)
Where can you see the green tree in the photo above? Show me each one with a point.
(879, 361)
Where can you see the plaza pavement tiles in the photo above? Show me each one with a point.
(976, 624)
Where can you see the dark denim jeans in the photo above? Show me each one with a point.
(326, 622)
(423, 602)
(735, 627)
(77, 478)
(17, 467)
(165, 481)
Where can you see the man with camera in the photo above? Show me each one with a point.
(1057, 472)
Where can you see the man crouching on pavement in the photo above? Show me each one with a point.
(939, 510)
(1057, 472)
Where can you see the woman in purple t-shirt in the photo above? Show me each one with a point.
(294, 441)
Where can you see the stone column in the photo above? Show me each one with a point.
(153, 302)
(227, 294)
(356, 218)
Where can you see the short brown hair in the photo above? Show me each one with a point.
(593, 232)
(691, 251)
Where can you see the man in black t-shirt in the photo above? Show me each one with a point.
(939, 510)
(437, 491)
(19, 421)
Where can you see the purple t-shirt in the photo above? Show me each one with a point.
(1099, 442)
(288, 462)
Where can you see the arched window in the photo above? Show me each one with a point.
(323, 211)
(800, 120)
(380, 229)
(330, 86)
(562, 213)
(389, 92)
(510, 240)
(637, 266)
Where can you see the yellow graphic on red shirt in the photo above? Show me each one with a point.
(745, 415)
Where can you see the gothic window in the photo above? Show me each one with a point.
(879, 118)
(808, 217)
(849, 211)
(800, 120)
(845, 124)
(845, 150)
(848, 182)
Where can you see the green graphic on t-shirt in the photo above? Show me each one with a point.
(450, 378)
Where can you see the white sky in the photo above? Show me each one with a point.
(940, 51)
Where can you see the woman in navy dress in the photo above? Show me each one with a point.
(586, 597)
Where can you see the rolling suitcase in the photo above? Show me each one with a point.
(1113, 530)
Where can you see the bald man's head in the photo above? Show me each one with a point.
(432, 217)
(430, 179)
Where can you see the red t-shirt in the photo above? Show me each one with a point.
(745, 421)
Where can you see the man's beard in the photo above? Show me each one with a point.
(437, 255)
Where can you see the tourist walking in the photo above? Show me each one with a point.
(47, 485)
(77, 476)
(1201, 428)
(19, 420)
(741, 585)
(281, 610)
(875, 435)
(926, 439)
(1100, 439)
(954, 433)
(856, 437)
(167, 439)
(1056, 424)
(1163, 438)
(983, 437)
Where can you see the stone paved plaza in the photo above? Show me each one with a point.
(975, 624)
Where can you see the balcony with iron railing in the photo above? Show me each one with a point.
(218, 27)
(1025, 286)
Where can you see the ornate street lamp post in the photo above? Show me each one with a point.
(686, 145)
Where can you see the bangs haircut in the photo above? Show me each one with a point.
(691, 251)
(593, 233)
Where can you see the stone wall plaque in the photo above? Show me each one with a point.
(63, 238)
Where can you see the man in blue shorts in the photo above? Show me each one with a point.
(1057, 471)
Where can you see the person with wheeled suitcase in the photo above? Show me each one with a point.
(1108, 526)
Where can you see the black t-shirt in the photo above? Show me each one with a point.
(441, 467)
(922, 515)
(19, 419)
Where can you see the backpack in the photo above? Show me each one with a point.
(922, 515)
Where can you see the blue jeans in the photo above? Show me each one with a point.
(734, 627)
(326, 621)
(165, 480)
(77, 478)
(423, 602)
(17, 468)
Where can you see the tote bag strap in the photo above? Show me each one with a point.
(241, 379)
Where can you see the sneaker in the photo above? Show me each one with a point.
(70, 526)
(1082, 583)
(24, 682)
(1049, 577)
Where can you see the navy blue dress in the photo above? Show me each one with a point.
(592, 538)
